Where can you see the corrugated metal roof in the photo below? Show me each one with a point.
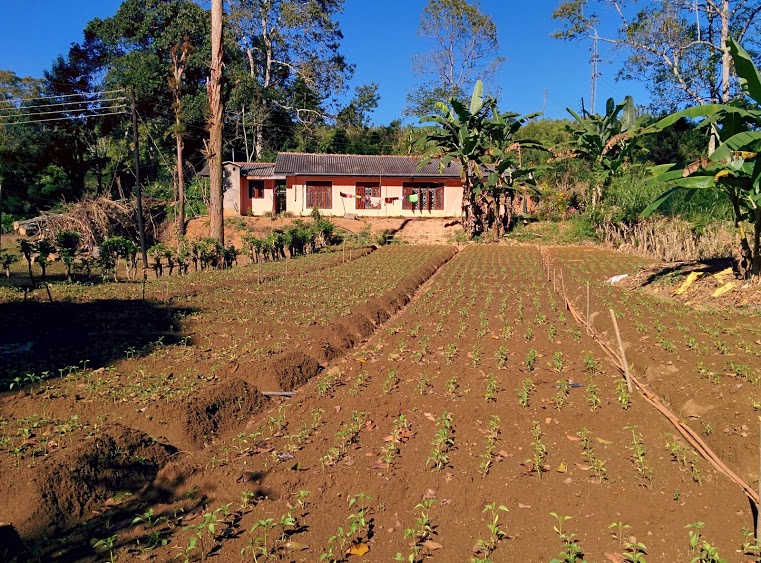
(249, 169)
(360, 165)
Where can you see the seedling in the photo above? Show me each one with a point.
(638, 457)
(107, 544)
(392, 380)
(442, 442)
(452, 385)
(561, 396)
(421, 532)
(151, 522)
(573, 551)
(485, 547)
(353, 533)
(623, 395)
(524, 391)
(592, 395)
(590, 364)
(491, 388)
(501, 357)
(539, 449)
(557, 362)
(700, 550)
(487, 458)
(531, 359)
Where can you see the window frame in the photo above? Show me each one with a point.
(362, 198)
(256, 189)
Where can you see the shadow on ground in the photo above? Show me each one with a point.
(38, 337)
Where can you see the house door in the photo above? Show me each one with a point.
(279, 198)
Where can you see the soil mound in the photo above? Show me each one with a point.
(293, 369)
(74, 483)
(218, 408)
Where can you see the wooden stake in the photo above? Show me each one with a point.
(758, 505)
(621, 349)
(286, 266)
(554, 281)
(587, 318)
(259, 271)
(562, 284)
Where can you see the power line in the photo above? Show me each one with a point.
(64, 96)
(80, 110)
(47, 106)
(64, 118)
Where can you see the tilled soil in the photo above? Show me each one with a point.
(481, 393)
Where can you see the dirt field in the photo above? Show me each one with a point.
(476, 422)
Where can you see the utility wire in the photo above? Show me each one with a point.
(64, 118)
(46, 106)
(65, 96)
(80, 110)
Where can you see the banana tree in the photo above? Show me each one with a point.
(510, 174)
(481, 141)
(461, 136)
(734, 168)
(604, 141)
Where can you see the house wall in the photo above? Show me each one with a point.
(390, 187)
(231, 190)
(257, 206)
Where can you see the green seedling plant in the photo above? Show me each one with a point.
(531, 359)
(596, 464)
(487, 458)
(524, 391)
(557, 362)
(572, 550)
(700, 550)
(637, 449)
(450, 353)
(452, 385)
(501, 357)
(590, 363)
(442, 442)
(422, 531)
(353, 533)
(106, 544)
(491, 388)
(562, 394)
(539, 450)
(685, 457)
(485, 547)
(391, 382)
(750, 545)
(623, 395)
(346, 436)
(151, 523)
(592, 395)
(618, 531)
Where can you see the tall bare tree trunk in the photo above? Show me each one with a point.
(180, 186)
(175, 83)
(214, 148)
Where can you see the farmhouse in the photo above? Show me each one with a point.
(338, 184)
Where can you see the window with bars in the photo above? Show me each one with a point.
(255, 189)
(430, 197)
(319, 195)
(368, 196)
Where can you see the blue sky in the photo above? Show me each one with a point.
(380, 37)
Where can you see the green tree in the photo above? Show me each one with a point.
(293, 63)
(604, 141)
(677, 47)
(465, 47)
(734, 168)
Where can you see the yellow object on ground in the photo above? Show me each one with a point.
(688, 282)
(726, 288)
(720, 275)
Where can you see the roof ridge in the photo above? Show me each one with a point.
(411, 156)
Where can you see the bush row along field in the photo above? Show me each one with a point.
(479, 425)
(704, 363)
